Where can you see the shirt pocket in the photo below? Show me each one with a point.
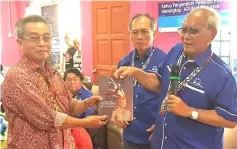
(194, 96)
(195, 89)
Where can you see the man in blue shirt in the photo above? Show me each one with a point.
(73, 79)
(146, 57)
(206, 101)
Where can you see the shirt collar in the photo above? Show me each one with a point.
(34, 67)
(202, 58)
(147, 53)
(80, 91)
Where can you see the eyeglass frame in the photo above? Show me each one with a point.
(38, 40)
(188, 31)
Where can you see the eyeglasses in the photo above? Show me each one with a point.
(190, 31)
(37, 39)
(143, 32)
(72, 79)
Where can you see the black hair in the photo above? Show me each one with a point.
(74, 71)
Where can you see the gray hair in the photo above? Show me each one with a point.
(19, 27)
(153, 23)
(212, 16)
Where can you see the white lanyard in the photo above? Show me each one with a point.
(164, 106)
(144, 65)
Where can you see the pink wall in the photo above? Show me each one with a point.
(10, 51)
(86, 38)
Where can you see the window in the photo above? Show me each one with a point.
(221, 46)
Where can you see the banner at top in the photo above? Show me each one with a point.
(172, 14)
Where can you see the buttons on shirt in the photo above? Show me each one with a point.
(184, 67)
(165, 137)
(138, 85)
(136, 96)
(135, 107)
(142, 63)
(165, 124)
(134, 117)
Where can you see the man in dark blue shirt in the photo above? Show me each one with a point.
(146, 57)
(206, 101)
(73, 79)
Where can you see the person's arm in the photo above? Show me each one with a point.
(67, 40)
(224, 114)
(83, 108)
(211, 117)
(22, 98)
(151, 130)
(147, 80)
(90, 111)
(88, 122)
(64, 121)
(225, 105)
(77, 107)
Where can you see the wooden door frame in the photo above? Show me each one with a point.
(94, 50)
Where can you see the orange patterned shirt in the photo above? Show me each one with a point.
(32, 121)
(121, 114)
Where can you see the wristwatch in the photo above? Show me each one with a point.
(194, 114)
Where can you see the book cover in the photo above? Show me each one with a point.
(117, 96)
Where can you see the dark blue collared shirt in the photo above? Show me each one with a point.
(144, 101)
(212, 88)
(82, 94)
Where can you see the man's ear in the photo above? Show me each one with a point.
(19, 43)
(213, 34)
